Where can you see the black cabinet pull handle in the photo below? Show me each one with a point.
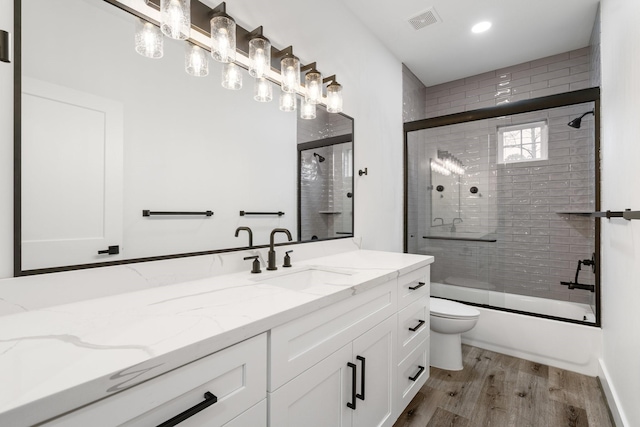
(418, 326)
(418, 286)
(210, 399)
(352, 404)
(111, 250)
(361, 395)
(416, 376)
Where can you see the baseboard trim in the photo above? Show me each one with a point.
(611, 396)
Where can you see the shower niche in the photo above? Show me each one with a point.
(501, 197)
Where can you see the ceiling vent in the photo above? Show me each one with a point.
(425, 19)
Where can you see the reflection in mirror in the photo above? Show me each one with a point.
(325, 179)
(108, 134)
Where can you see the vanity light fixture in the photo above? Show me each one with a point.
(446, 163)
(223, 35)
(175, 18)
(287, 101)
(259, 53)
(149, 41)
(231, 77)
(334, 95)
(263, 91)
(312, 83)
(226, 38)
(307, 109)
(436, 166)
(289, 70)
(195, 61)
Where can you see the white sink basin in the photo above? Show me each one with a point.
(307, 278)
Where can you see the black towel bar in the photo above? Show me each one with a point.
(147, 212)
(243, 213)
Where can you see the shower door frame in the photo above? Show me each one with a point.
(524, 106)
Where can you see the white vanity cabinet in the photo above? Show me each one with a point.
(236, 376)
(413, 336)
(317, 364)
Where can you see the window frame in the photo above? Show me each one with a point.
(544, 141)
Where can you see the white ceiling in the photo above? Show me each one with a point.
(523, 30)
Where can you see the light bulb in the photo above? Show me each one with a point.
(313, 84)
(307, 110)
(259, 56)
(148, 39)
(290, 69)
(223, 38)
(263, 92)
(287, 101)
(231, 77)
(175, 17)
(334, 98)
(195, 61)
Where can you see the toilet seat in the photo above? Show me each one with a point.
(452, 310)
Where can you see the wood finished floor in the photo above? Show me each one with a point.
(498, 390)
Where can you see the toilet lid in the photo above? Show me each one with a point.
(451, 309)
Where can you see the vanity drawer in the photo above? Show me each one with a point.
(235, 375)
(412, 374)
(413, 286)
(413, 326)
(301, 343)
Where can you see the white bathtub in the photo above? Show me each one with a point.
(551, 342)
(548, 307)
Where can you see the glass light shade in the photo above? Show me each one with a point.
(195, 61)
(175, 18)
(149, 41)
(307, 110)
(287, 101)
(334, 98)
(262, 91)
(290, 71)
(313, 85)
(259, 56)
(231, 76)
(223, 39)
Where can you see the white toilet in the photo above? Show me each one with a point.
(449, 319)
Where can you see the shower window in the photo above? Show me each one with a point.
(509, 234)
(523, 143)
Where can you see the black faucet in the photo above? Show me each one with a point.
(441, 220)
(247, 229)
(453, 224)
(272, 253)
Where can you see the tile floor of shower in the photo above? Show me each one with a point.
(524, 241)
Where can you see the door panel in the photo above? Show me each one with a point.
(72, 184)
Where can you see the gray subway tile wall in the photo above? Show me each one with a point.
(523, 205)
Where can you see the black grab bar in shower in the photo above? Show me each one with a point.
(627, 214)
(464, 239)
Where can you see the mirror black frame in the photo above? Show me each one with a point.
(17, 178)
(325, 142)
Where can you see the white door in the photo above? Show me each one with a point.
(71, 176)
(374, 351)
(317, 397)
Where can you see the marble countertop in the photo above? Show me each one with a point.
(55, 359)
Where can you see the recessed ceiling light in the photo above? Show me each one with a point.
(481, 27)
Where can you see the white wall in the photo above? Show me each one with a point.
(620, 53)
(372, 81)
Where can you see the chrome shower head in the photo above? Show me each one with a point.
(320, 158)
(576, 123)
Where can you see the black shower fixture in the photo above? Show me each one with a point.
(575, 123)
(320, 158)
